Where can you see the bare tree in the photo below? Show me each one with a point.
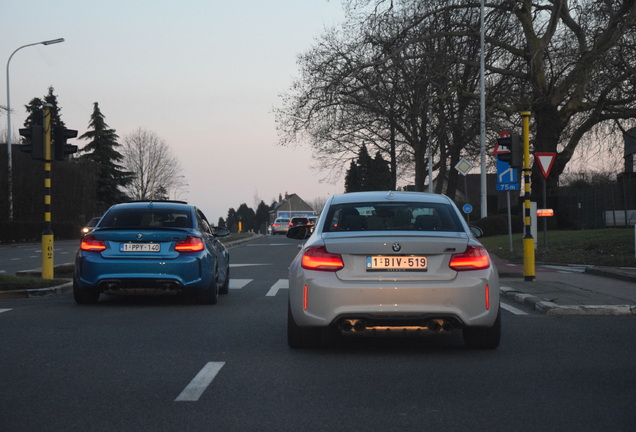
(154, 167)
(382, 86)
(401, 77)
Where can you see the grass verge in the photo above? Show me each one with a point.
(603, 247)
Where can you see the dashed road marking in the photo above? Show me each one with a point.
(200, 382)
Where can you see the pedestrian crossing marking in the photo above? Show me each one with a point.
(280, 284)
(239, 283)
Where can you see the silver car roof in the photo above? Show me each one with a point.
(376, 196)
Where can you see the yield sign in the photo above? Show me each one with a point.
(545, 161)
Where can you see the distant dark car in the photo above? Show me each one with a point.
(90, 225)
(300, 221)
(152, 248)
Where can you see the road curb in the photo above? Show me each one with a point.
(38, 292)
(550, 308)
(612, 273)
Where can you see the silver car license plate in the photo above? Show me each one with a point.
(396, 263)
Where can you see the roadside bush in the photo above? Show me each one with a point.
(498, 224)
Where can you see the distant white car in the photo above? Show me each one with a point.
(280, 226)
(387, 262)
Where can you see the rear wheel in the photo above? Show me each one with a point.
(209, 296)
(84, 295)
(484, 337)
(301, 337)
(225, 288)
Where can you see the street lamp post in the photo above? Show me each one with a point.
(9, 158)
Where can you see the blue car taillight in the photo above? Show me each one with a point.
(190, 244)
(91, 244)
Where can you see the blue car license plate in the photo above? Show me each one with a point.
(140, 247)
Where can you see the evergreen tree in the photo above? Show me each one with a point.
(102, 151)
(232, 220)
(367, 174)
(37, 104)
(364, 168)
(352, 179)
(54, 109)
(262, 216)
(380, 174)
(247, 217)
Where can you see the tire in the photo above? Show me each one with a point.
(484, 337)
(84, 295)
(208, 296)
(225, 288)
(301, 337)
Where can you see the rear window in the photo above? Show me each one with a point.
(146, 218)
(395, 216)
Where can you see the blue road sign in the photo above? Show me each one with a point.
(507, 176)
(467, 208)
(508, 186)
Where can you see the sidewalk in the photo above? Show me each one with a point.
(570, 289)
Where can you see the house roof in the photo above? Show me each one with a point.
(292, 202)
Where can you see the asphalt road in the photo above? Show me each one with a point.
(28, 256)
(140, 364)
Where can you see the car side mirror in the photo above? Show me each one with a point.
(477, 232)
(220, 232)
(300, 232)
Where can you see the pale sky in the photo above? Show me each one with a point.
(204, 75)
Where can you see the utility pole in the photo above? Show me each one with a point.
(47, 234)
(528, 241)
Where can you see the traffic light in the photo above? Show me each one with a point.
(34, 136)
(514, 155)
(61, 150)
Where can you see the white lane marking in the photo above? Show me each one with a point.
(200, 382)
(4, 310)
(272, 244)
(513, 309)
(239, 283)
(280, 284)
(246, 265)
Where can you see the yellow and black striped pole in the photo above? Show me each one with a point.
(528, 241)
(47, 234)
